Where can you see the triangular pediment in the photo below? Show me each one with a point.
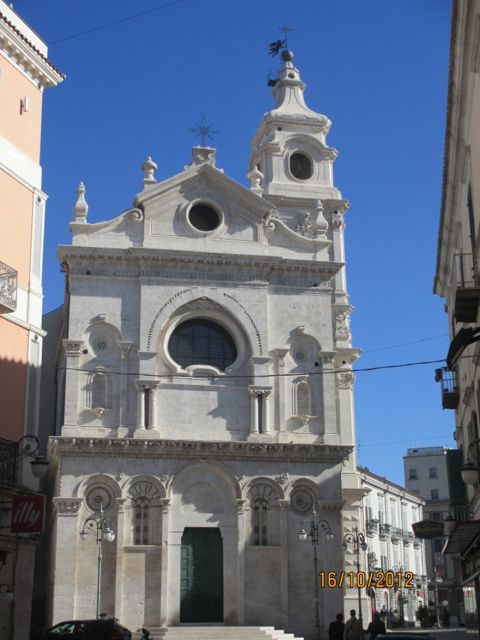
(234, 214)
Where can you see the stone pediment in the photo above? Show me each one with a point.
(176, 208)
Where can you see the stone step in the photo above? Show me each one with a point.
(215, 632)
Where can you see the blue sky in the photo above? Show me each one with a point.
(378, 69)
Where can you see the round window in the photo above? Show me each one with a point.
(203, 217)
(201, 341)
(300, 166)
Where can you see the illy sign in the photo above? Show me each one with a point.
(28, 514)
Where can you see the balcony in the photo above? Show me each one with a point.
(408, 537)
(8, 288)
(449, 387)
(396, 535)
(383, 530)
(467, 294)
(372, 527)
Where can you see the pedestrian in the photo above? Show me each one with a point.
(336, 628)
(353, 627)
(376, 627)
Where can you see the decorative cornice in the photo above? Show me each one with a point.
(27, 56)
(192, 449)
(145, 261)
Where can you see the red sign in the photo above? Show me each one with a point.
(28, 514)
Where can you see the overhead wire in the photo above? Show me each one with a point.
(112, 23)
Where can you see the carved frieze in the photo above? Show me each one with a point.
(194, 449)
(346, 379)
(67, 506)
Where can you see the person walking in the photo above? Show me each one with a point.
(336, 628)
(376, 626)
(353, 627)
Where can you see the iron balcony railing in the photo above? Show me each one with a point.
(449, 387)
(467, 293)
(8, 288)
(8, 461)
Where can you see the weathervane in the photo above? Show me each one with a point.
(204, 130)
(276, 45)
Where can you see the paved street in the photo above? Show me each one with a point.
(442, 634)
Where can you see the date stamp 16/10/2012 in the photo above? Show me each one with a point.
(361, 579)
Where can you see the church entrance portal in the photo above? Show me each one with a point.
(201, 575)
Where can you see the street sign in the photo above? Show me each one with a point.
(428, 529)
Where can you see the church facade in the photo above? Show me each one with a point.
(205, 392)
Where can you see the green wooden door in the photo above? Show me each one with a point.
(201, 579)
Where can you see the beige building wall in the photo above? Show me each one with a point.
(25, 72)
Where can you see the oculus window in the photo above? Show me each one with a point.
(300, 166)
(199, 341)
(203, 217)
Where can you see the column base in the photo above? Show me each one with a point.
(147, 434)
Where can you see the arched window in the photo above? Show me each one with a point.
(201, 341)
(303, 398)
(99, 391)
(260, 509)
(264, 521)
(300, 166)
(141, 510)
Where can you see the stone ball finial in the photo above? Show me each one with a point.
(287, 55)
(149, 167)
(80, 208)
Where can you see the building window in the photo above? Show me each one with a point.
(432, 472)
(303, 398)
(434, 494)
(99, 391)
(412, 474)
(203, 217)
(301, 166)
(200, 341)
(260, 509)
(436, 515)
(141, 514)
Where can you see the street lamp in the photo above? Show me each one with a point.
(470, 468)
(400, 571)
(312, 531)
(358, 541)
(101, 525)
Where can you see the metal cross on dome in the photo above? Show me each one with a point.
(203, 130)
(276, 45)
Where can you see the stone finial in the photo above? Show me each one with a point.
(255, 176)
(322, 224)
(203, 155)
(149, 167)
(80, 208)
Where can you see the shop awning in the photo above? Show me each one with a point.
(462, 536)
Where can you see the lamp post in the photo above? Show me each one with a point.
(470, 469)
(358, 541)
(400, 570)
(101, 526)
(312, 530)
(372, 563)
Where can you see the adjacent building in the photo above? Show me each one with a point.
(25, 71)
(205, 392)
(457, 280)
(434, 474)
(389, 510)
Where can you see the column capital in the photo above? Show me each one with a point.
(72, 347)
(124, 347)
(254, 390)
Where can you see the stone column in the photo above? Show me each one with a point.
(326, 389)
(72, 349)
(241, 561)
(281, 389)
(284, 506)
(164, 563)
(338, 228)
(119, 541)
(140, 405)
(252, 391)
(152, 409)
(266, 410)
(124, 351)
(64, 562)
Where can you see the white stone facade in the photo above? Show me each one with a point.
(247, 448)
(389, 511)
